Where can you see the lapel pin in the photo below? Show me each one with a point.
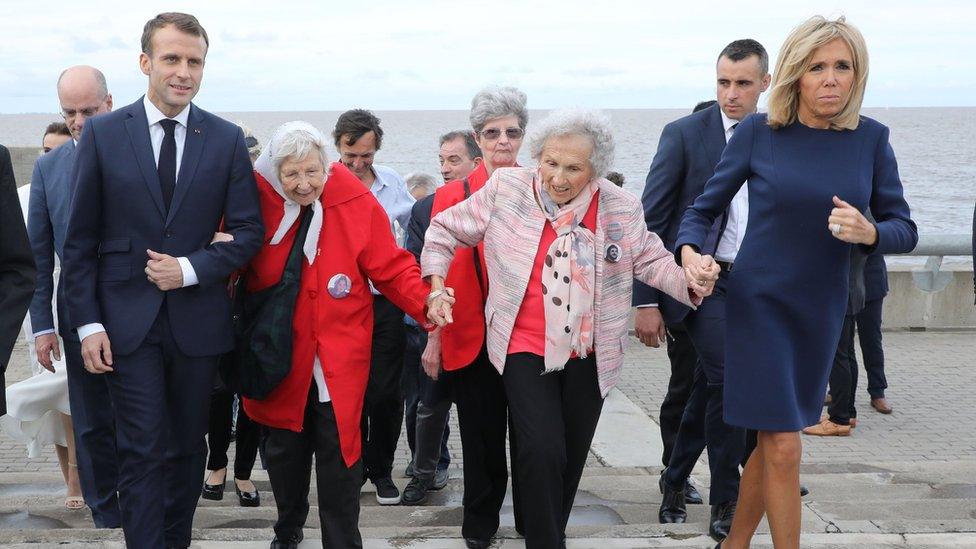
(196, 130)
(613, 253)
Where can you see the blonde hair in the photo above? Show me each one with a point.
(794, 57)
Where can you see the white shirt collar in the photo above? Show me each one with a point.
(154, 115)
(727, 122)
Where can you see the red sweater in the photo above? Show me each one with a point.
(356, 241)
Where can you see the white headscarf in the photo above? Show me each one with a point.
(265, 166)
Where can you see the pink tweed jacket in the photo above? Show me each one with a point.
(504, 214)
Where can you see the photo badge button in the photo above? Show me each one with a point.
(339, 286)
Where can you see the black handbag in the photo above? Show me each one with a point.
(263, 327)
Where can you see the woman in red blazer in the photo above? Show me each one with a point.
(316, 409)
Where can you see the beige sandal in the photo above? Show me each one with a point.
(74, 503)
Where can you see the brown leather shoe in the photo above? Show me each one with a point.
(827, 428)
(881, 405)
(853, 421)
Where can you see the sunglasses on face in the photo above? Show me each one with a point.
(492, 134)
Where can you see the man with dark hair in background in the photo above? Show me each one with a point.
(358, 136)
(688, 151)
(145, 280)
(459, 155)
(83, 93)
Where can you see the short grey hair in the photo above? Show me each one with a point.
(421, 180)
(297, 144)
(593, 125)
(497, 102)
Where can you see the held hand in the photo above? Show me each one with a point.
(96, 351)
(701, 272)
(439, 307)
(45, 345)
(649, 326)
(848, 224)
(431, 358)
(164, 271)
(222, 237)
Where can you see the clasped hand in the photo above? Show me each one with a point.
(439, 307)
(701, 271)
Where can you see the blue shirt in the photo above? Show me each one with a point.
(391, 191)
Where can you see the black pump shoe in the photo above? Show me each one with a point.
(248, 499)
(214, 492)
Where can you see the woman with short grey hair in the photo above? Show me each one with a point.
(562, 248)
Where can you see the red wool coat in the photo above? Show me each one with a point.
(462, 340)
(356, 240)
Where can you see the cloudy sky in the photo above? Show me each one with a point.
(297, 55)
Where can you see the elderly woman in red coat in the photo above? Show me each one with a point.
(316, 409)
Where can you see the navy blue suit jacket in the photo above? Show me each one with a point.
(687, 153)
(47, 223)
(117, 213)
(875, 277)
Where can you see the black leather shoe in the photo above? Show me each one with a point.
(804, 491)
(476, 543)
(672, 505)
(416, 491)
(248, 499)
(213, 492)
(721, 522)
(692, 497)
(290, 543)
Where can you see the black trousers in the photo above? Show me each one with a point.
(554, 417)
(868, 324)
(161, 398)
(843, 377)
(703, 425)
(93, 421)
(383, 408)
(419, 388)
(682, 355)
(479, 395)
(289, 455)
(218, 439)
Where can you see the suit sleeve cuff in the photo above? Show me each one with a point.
(42, 332)
(89, 329)
(189, 275)
(646, 306)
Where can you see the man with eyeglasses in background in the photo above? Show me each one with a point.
(83, 94)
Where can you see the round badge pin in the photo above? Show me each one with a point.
(339, 286)
(615, 231)
(613, 253)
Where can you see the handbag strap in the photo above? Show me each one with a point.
(476, 254)
(293, 266)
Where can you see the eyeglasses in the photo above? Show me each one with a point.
(295, 177)
(492, 134)
(87, 112)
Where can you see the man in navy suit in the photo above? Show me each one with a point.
(145, 285)
(16, 268)
(687, 154)
(83, 93)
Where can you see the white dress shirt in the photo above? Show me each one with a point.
(156, 135)
(738, 213)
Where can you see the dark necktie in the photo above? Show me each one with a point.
(167, 161)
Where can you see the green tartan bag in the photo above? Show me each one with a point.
(263, 324)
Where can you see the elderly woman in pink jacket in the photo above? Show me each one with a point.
(562, 247)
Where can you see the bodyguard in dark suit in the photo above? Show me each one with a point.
(868, 323)
(16, 268)
(688, 151)
(82, 93)
(146, 288)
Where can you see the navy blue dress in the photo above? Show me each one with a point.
(787, 292)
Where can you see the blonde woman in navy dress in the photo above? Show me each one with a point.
(813, 165)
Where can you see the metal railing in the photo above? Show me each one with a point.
(937, 246)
